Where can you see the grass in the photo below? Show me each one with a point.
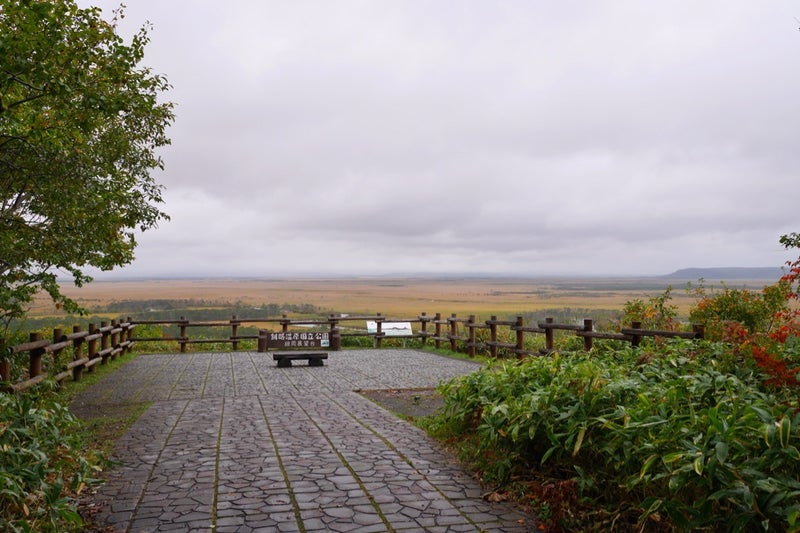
(103, 427)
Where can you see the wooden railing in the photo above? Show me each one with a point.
(234, 324)
(89, 347)
(109, 340)
(454, 332)
(447, 331)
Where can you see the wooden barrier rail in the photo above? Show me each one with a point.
(234, 324)
(115, 338)
(455, 332)
(452, 331)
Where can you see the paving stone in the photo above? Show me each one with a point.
(284, 449)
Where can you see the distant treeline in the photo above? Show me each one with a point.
(198, 309)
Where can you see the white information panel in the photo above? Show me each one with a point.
(391, 329)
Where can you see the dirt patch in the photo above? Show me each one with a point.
(410, 403)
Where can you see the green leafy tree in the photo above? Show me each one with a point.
(80, 125)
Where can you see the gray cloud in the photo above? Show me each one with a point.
(525, 137)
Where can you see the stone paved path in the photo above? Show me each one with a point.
(231, 443)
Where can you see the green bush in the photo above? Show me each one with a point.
(655, 313)
(663, 437)
(754, 310)
(42, 464)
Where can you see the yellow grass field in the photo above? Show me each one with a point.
(393, 297)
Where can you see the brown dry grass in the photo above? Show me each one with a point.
(395, 297)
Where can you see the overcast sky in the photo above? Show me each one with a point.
(525, 137)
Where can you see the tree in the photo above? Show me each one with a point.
(80, 125)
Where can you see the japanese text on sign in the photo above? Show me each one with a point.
(300, 339)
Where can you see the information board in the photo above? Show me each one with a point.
(391, 329)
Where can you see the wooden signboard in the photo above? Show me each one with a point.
(299, 339)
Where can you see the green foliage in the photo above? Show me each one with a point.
(655, 313)
(754, 310)
(80, 123)
(667, 436)
(42, 465)
(790, 240)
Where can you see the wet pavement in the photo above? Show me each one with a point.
(232, 443)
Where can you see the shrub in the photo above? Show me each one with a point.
(655, 313)
(42, 465)
(664, 436)
(761, 327)
(755, 311)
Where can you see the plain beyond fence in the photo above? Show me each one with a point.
(110, 340)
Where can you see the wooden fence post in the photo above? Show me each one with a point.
(549, 337)
(378, 331)
(588, 341)
(130, 334)
(423, 330)
(284, 324)
(471, 336)
(92, 348)
(520, 347)
(234, 333)
(183, 336)
(334, 334)
(336, 338)
(636, 339)
(35, 365)
(261, 346)
(104, 340)
(77, 354)
(453, 332)
(438, 329)
(125, 336)
(699, 331)
(493, 336)
(114, 339)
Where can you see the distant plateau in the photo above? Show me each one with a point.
(727, 273)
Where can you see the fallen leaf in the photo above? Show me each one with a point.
(495, 497)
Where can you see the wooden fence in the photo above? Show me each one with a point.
(110, 340)
(89, 347)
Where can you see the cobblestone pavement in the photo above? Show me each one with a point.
(231, 443)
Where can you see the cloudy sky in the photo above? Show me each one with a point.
(524, 137)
